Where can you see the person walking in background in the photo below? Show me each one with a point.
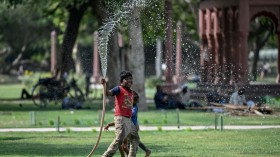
(265, 70)
(123, 112)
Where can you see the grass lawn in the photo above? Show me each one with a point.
(8, 91)
(229, 143)
(11, 115)
(247, 143)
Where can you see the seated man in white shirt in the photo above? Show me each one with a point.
(238, 97)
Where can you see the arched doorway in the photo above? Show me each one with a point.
(262, 37)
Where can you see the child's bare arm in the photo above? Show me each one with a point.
(106, 128)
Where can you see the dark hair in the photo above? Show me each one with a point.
(125, 75)
(185, 90)
(241, 91)
(158, 87)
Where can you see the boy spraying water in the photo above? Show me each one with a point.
(134, 119)
(123, 112)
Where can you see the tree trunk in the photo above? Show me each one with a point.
(113, 69)
(168, 42)
(255, 64)
(7, 68)
(70, 35)
(136, 58)
(260, 42)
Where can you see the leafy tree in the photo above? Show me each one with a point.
(153, 19)
(23, 34)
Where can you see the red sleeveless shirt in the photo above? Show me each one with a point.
(123, 103)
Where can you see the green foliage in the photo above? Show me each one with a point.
(68, 130)
(159, 128)
(183, 11)
(145, 121)
(94, 130)
(271, 101)
(153, 21)
(11, 3)
(24, 33)
(259, 26)
(51, 122)
(189, 129)
(77, 122)
(89, 122)
(31, 30)
(152, 82)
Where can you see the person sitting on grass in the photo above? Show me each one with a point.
(134, 119)
(25, 94)
(166, 101)
(238, 97)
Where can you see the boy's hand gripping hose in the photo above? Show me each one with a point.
(102, 121)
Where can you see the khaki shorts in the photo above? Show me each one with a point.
(124, 129)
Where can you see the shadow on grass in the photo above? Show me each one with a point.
(38, 149)
(29, 106)
(62, 144)
(11, 138)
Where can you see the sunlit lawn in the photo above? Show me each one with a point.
(12, 115)
(249, 143)
(19, 117)
(162, 143)
(8, 91)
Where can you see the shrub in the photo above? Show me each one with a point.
(68, 130)
(89, 122)
(145, 121)
(153, 81)
(51, 122)
(77, 122)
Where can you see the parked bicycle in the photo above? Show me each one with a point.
(50, 90)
